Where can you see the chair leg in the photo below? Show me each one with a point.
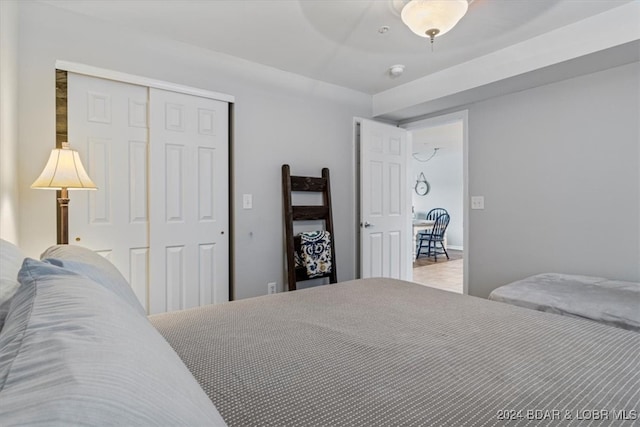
(444, 249)
(418, 248)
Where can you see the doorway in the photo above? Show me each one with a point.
(438, 170)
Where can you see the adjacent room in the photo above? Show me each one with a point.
(437, 161)
(319, 213)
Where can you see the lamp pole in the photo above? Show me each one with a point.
(63, 204)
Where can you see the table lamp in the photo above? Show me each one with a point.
(64, 171)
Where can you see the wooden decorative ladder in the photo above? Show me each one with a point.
(306, 213)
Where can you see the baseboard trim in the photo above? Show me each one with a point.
(455, 248)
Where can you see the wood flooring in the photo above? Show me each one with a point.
(425, 260)
(444, 274)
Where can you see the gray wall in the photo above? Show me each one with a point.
(280, 118)
(559, 168)
(550, 161)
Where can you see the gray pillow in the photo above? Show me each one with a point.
(10, 261)
(96, 267)
(74, 353)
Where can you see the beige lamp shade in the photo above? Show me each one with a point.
(425, 16)
(64, 170)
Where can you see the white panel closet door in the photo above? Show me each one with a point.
(385, 202)
(107, 124)
(189, 201)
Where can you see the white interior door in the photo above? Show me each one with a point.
(385, 201)
(107, 124)
(189, 200)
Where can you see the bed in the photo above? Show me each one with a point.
(611, 302)
(381, 352)
(373, 352)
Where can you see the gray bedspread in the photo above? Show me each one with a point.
(382, 352)
(612, 302)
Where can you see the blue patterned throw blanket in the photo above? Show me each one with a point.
(315, 248)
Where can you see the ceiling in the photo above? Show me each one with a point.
(338, 41)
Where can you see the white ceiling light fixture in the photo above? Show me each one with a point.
(433, 18)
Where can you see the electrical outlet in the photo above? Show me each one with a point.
(271, 288)
(477, 202)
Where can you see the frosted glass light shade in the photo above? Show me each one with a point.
(424, 15)
(64, 170)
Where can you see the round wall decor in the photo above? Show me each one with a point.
(422, 186)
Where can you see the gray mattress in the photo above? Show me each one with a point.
(612, 302)
(382, 352)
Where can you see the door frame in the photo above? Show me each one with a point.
(103, 73)
(410, 125)
(118, 76)
(463, 116)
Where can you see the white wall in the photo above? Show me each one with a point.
(279, 118)
(559, 168)
(444, 174)
(9, 121)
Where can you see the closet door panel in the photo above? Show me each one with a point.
(107, 125)
(189, 201)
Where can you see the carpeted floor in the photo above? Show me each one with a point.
(424, 260)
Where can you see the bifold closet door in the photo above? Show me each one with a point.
(160, 214)
(188, 200)
(107, 124)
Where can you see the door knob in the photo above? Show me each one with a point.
(367, 224)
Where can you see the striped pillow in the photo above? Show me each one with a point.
(97, 268)
(74, 353)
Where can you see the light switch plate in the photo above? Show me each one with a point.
(247, 201)
(477, 202)
(271, 288)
